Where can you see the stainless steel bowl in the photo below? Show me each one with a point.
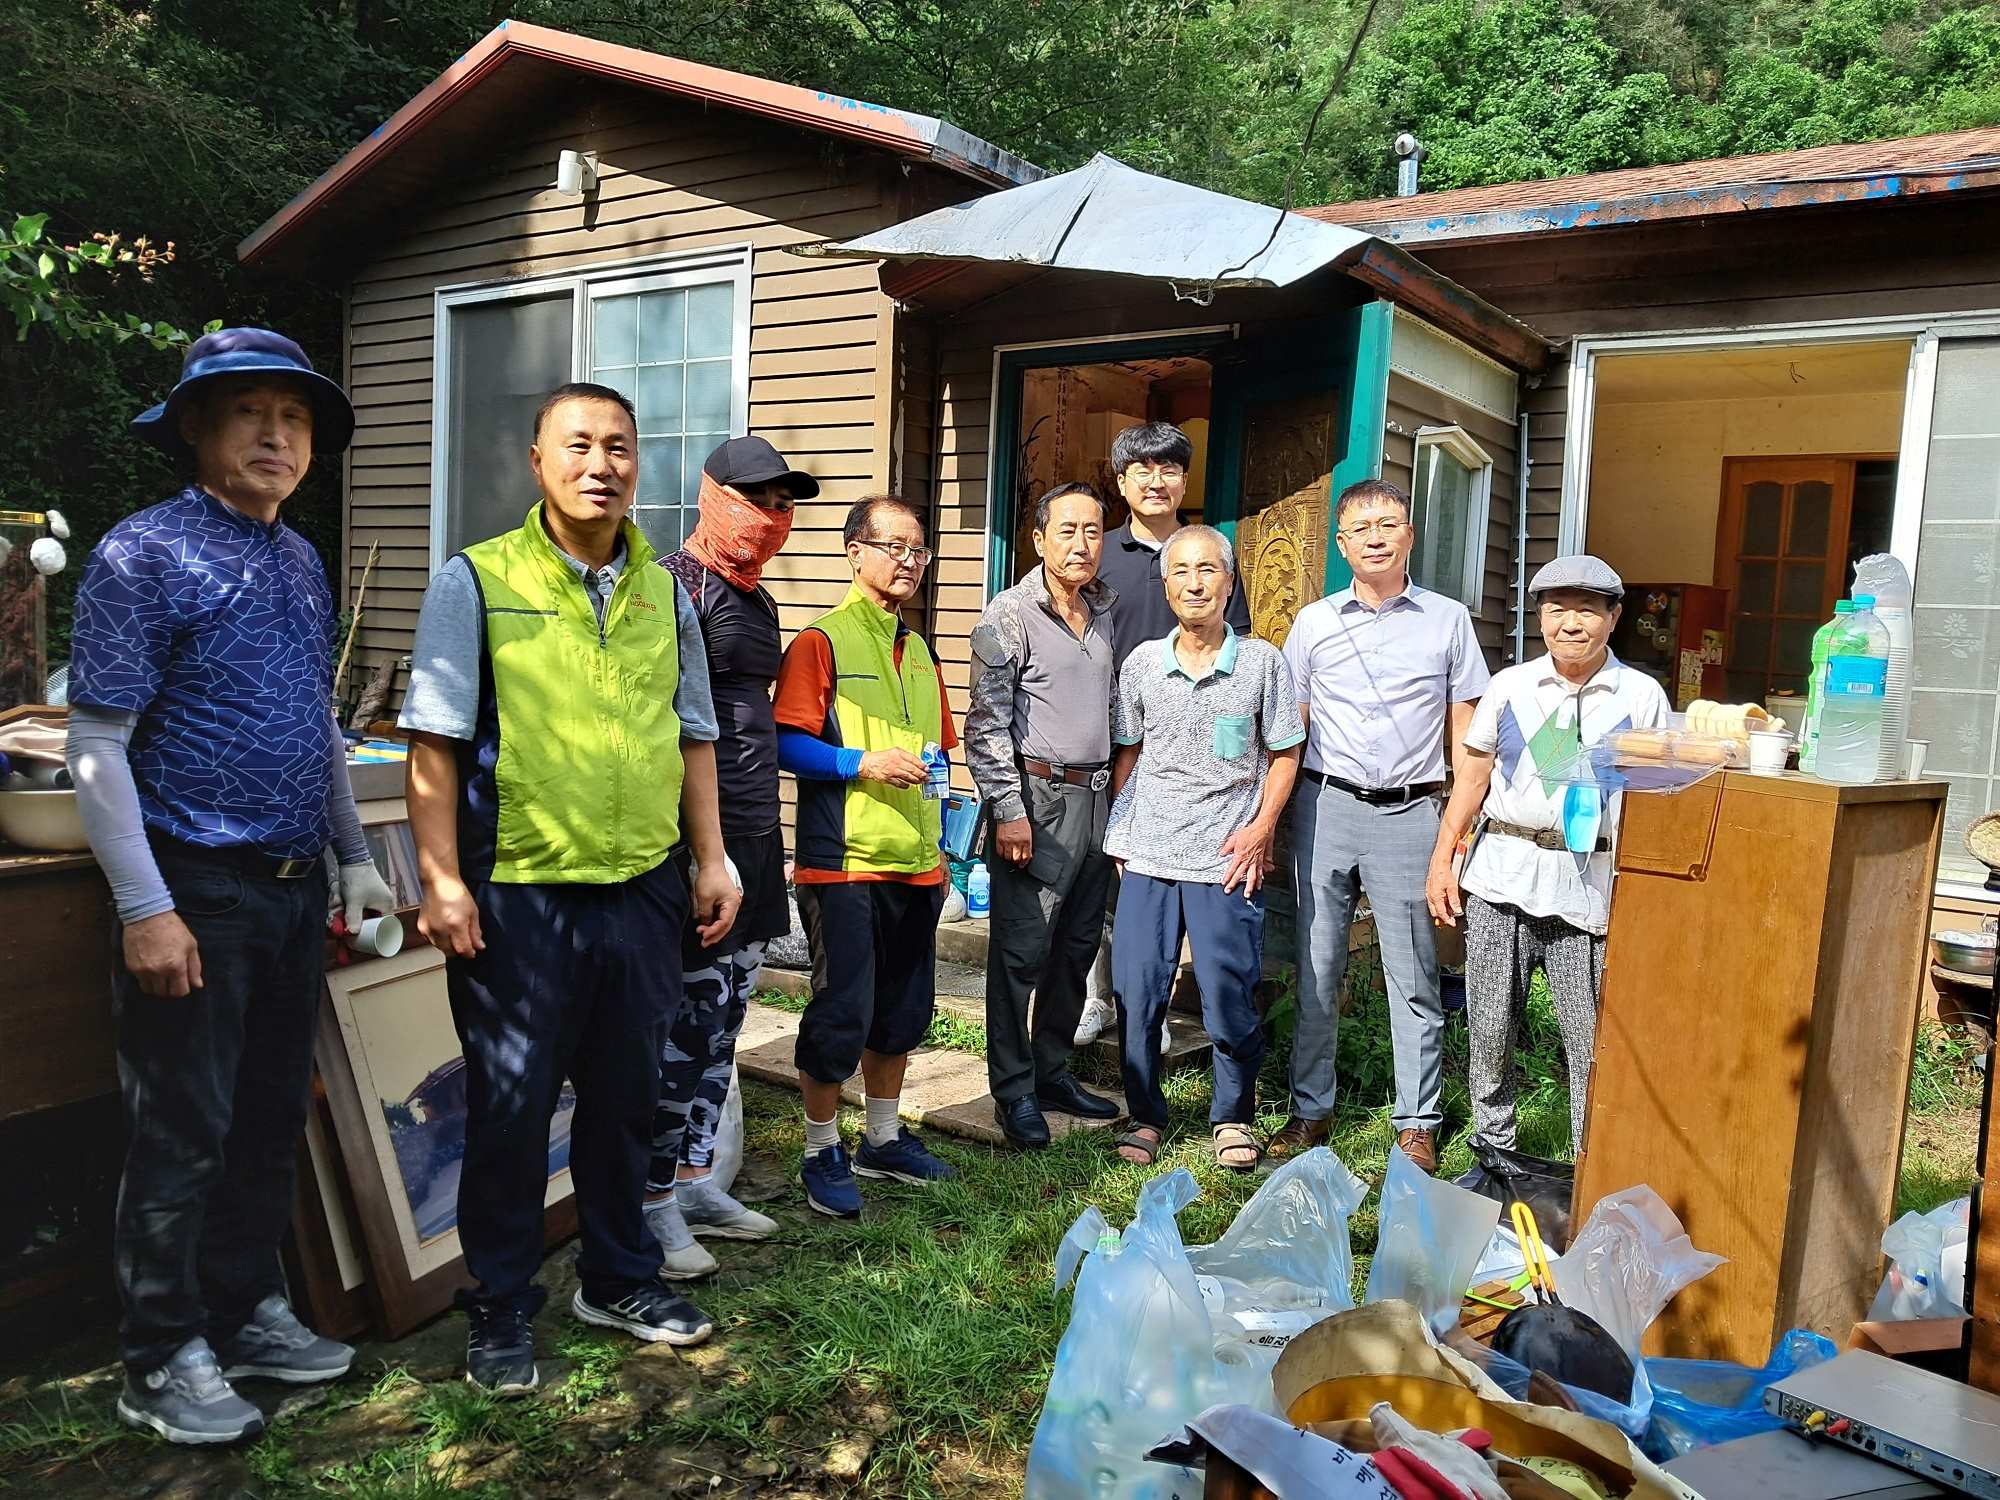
(1965, 952)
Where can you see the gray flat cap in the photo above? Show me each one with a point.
(1578, 571)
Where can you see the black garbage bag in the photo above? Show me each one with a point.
(1515, 1177)
(1568, 1346)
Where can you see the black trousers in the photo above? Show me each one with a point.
(577, 982)
(215, 1088)
(1047, 920)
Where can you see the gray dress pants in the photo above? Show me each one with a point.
(1343, 846)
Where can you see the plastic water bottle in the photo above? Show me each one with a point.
(1857, 680)
(978, 892)
(937, 780)
(1822, 646)
(1884, 576)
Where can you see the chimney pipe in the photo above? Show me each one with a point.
(1409, 156)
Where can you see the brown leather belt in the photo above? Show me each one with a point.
(1097, 777)
(1541, 838)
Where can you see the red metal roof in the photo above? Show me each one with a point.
(1946, 162)
(515, 66)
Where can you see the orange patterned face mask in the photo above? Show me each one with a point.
(735, 537)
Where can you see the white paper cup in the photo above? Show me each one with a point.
(1914, 754)
(1768, 748)
(379, 937)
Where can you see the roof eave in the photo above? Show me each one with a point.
(916, 136)
(1688, 203)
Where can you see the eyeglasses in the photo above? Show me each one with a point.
(1388, 529)
(1165, 473)
(900, 552)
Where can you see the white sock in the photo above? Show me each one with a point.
(821, 1134)
(883, 1119)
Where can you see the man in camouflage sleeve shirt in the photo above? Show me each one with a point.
(1038, 741)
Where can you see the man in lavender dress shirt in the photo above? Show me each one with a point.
(1383, 668)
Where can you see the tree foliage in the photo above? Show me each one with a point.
(190, 121)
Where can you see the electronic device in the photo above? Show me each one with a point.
(1787, 1466)
(1911, 1418)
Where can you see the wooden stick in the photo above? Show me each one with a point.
(354, 625)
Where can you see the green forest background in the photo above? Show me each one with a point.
(190, 121)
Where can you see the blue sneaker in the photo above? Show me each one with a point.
(905, 1159)
(829, 1180)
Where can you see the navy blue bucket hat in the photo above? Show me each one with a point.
(248, 351)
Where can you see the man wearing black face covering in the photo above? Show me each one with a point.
(747, 494)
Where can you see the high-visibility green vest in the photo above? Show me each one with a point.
(858, 826)
(586, 772)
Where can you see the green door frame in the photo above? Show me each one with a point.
(1348, 349)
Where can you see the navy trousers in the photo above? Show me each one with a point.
(1226, 931)
(577, 982)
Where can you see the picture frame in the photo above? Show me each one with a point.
(389, 1057)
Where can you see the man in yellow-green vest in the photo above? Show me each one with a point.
(859, 703)
(562, 768)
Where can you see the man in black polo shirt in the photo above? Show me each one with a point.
(1151, 464)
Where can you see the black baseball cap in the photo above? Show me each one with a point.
(745, 461)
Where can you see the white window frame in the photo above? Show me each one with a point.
(1456, 442)
(728, 264)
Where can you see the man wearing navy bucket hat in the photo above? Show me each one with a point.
(211, 777)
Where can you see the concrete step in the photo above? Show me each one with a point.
(944, 1089)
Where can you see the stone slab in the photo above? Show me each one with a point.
(944, 1089)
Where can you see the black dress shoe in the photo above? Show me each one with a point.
(1022, 1123)
(1072, 1098)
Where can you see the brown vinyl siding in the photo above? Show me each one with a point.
(1413, 405)
(674, 177)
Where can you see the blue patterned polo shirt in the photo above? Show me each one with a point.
(217, 631)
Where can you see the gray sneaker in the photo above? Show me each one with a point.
(275, 1345)
(712, 1213)
(187, 1400)
(681, 1258)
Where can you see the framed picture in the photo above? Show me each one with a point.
(396, 1088)
(326, 1268)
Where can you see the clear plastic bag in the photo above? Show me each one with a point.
(1700, 1402)
(1432, 1236)
(728, 1158)
(1130, 1370)
(1926, 1265)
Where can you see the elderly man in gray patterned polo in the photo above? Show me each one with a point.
(1038, 740)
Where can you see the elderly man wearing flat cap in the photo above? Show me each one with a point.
(212, 777)
(1535, 887)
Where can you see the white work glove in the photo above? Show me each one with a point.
(362, 890)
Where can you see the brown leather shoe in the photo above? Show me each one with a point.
(1298, 1135)
(1421, 1148)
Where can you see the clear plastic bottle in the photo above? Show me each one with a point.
(1852, 714)
(1816, 682)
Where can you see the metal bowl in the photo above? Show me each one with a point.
(43, 819)
(1965, 952)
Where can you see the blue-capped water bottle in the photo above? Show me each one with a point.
(937, 780)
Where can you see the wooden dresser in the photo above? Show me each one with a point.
(1762, 984)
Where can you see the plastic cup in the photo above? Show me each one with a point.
(379, 937)
(1768, 748)
(1914, 754)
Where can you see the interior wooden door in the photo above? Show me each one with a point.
(1781, 549)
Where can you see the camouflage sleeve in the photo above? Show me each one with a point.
(998, 648)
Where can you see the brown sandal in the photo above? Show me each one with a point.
(1236, 1138)
(1147, 1139)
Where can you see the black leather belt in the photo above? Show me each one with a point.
(1096, 777)
(1377, 796)
(243, 857)
(1541, 838)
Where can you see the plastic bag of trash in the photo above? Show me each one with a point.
(1700, 1402)
(1515, 1177)
(1926, 1265)
(728, 1158)
(1432, 1236)
(1153, 1341)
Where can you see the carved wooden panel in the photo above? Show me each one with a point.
(1282, 525)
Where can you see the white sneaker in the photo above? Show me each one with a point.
(682, 1258)
(707, 1210)
(1097, 1016)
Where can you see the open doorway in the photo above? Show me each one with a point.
(1734, 488)
(1070, 415)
